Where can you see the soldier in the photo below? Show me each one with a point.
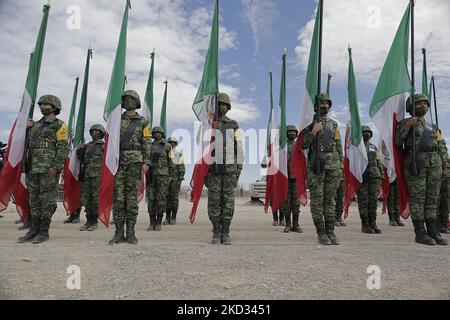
(370, 188)
(224, 174)
(48, 149)
(158, 178)
(134, 159)
(278, 217)
(91, 158)
(442, 213)
(324, 180)
(392, 205)
(340, 203)
(423, 184)
(175, 184)
(292, 204)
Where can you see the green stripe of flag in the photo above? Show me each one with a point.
(356, 130)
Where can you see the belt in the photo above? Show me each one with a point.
(429, 149)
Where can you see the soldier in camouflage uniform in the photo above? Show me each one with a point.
(442, 213)
(175, 184)
(323, 186)
(340, 203)
(370, 188)
(134, 159)
(292, 205)
(48, 149)
(158, 178)
(424, 187)
(392, 205)
(91, 158)
(224, 174)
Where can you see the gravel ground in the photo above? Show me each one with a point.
(262, 262)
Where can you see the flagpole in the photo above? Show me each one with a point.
(329, 83)
(425, 77)
(413, 90)
(435, 104)
(319, 71)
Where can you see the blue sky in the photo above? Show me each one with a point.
(253, 35)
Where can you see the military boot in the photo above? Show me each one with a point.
(167, 221)
(275, 219)
(118, 234)
(329, 228)
(217, 232)
(226, 240)
(373, 223)
(94, 223)
(173, 217)
(282, 222)
(322, 237)
(43, 231)
(151, 227)
(431, 230)
(287, 218)
(34, 230)
(365, 227)
(19, 221)
(392, 221)
(442, 223)
(397, 220)
(26, 225)
(421, 236)
(88, 223)
(131, 237)
(76, 218)
(295, 225)
(69, 218)
(339, 222)
(158, 221)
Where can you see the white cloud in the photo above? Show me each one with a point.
(260, 15)
(350, 22)
(179, 35)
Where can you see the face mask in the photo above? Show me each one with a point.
(46, 111)
(366, 136)
(292, 136)
(129, 104)
(421, 111)
(157, 136)
(96, 135)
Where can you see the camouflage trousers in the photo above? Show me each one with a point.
(42, 193)
(423, 192)
(443, 202)
(322, 190)
(172, 195)
(392, 200)
(340, 197)
(126, 188)
(221, 196)
(157, 195)
(368, 195)
(292, 205)
(90, 188)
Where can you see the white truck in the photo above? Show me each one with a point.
(258, 189)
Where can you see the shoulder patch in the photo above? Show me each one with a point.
(62, 133)
(181, 159)
(147, 130)
(337, 134)
(237, 135)
(438, 135)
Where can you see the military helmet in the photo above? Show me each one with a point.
(98, 127)
(172, 140)
(367, 129)
(52, 100)
(159, 129)
(291, 127)
(224, 98)
(418, 97)
(133, 94)
(324, 97)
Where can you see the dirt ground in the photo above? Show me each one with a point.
(262, 262)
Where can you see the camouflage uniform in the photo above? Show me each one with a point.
(370, 188)
(423, 188)
(160, 173)
(340, 203)
(91, 157)
(392, 205)
(442, 213)
(48, 149)
(323, 186)
(222, 178)
(174, 186)
(128, 177)
(292, 205)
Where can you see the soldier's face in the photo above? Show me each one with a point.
(292, 135)
(47, 109)
(324, 106)
(96, 135)
(223, 108)
(129, 103)
(157, 136)
(174, 145)
(421, 108)
(367, 136)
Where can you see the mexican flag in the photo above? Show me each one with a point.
(12, 178)
(113, 116)
(298, 161)
(355, 160)
(270, 130)
(277, 169)
(387, 108)
(72, 185)
(204, 107)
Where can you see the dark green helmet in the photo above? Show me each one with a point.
(159, 129)
(418, 97)
(324, 97)
(224, 98)
(367, 129)
(133, 94)
(98, 127)
(52, 100)
(291, 127)
(173, 140)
